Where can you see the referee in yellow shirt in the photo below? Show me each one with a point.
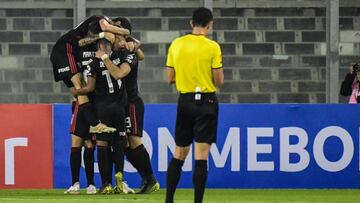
(194, 64)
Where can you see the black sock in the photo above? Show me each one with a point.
(103, 161)
(199, 179)
(118, 155)
(75, 163)
(111, 164)
(172, 178)
(89, 113)
(89, 165)
(140, 159)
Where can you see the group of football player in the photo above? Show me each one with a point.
(98, 62)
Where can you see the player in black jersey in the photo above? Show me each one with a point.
(135, 151)
(65, 62)
(105, 72)
(66, 68)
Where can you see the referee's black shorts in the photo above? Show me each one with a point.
(196, 120)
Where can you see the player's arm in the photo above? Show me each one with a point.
(89, 87)
(93, 38)
(170, 75)
(117, 72)
(134, 44)
(107, 27)
(140, 54)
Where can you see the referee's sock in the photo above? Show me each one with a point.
(75, 163)
(89, 165)
(172, 178)
(199, 179)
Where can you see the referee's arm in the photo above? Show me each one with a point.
(218, 76)
(170, 75)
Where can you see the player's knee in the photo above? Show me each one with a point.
(101, 143)
(89, 144)
(134, 142)
(76, 141)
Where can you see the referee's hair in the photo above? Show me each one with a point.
(201, 17)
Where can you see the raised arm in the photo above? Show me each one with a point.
(107, 27)
(89, 87)
(117, 72)
(93, 38)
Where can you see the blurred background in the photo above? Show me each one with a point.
(274, 51)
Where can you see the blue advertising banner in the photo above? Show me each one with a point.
(258, 146)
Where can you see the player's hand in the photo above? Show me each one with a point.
(99, 53)
(130, 46)
(110, 37)
(73, 91)
(351, 68)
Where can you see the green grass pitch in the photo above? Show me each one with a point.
(186, 196)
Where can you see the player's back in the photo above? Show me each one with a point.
(106, 87)
(81, 30)
(130, 81)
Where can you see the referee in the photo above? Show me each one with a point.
(194, 64)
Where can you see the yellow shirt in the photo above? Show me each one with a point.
(193, 57)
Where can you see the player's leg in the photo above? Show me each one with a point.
(136, 152)
(75, 163)
(103, 162)
(104, 142)
(75, 154)
(89, 165)
(117, 120)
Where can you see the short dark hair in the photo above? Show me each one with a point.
(201, 17)
(124, 22)
(104, 42)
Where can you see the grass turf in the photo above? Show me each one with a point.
(186, 196)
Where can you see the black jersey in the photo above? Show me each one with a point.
(86, 55)
(130, 81)
(81, 30)
(106, 87)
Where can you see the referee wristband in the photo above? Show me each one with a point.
(101, 35)
(105, 56)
